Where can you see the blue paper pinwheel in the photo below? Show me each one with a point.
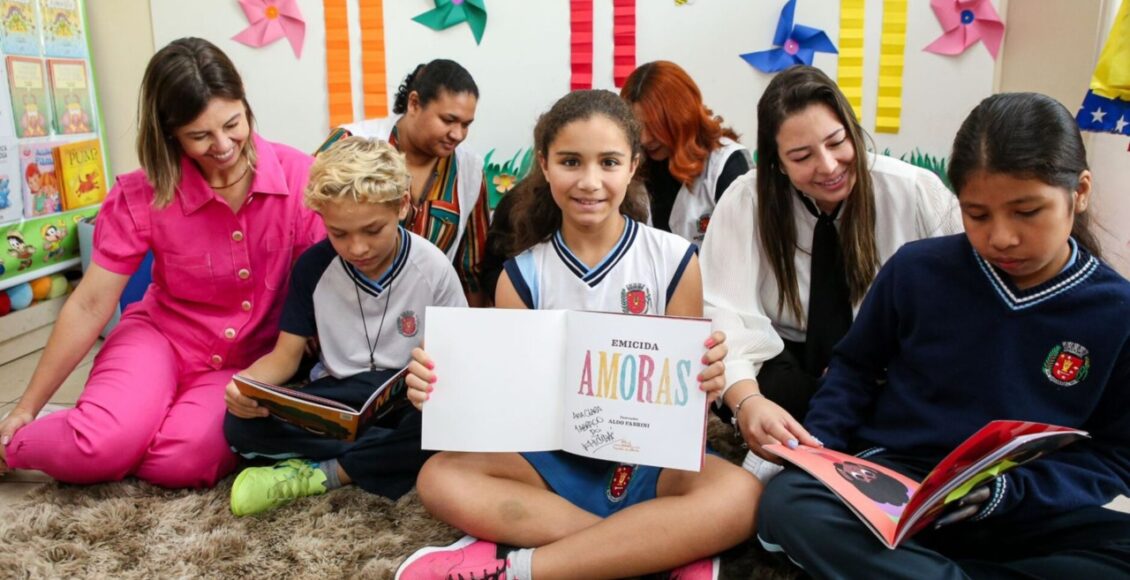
(796, 44)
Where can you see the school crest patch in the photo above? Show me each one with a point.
(406, 323)
(635, 299)
(618, 483)
(1067, 364)
(703, 222)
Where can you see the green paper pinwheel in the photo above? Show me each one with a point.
(448, 13)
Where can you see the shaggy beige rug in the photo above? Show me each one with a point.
(134, 530)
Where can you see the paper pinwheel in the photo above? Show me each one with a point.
(796, 44)
(965, 22)
(271, 20)
(448, 13)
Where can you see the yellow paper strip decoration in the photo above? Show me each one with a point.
(849, 72)
(892, 51)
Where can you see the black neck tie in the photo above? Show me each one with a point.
(829, 302)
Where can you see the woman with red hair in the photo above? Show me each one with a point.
(691, 157)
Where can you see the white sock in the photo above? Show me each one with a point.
(520, 564)
(760, 468)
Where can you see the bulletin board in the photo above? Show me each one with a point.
(523, 62)
(52, 167)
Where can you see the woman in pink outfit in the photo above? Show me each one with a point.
(221, 210)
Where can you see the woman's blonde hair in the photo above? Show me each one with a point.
(364, 170)
(179, 82)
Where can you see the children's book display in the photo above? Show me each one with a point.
(896, 507)
(81, 173)
(52, 164)
(326, 416)
(616, 387)
(11, 198)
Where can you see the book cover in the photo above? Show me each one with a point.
(70, 94)
(40, 182)
(610, 386)
(81, 173)
(29, 96)
(325, 416)
(61, 23)
(19, 29)
(896, 507)
(11, 197)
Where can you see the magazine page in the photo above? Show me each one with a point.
(878, 495)
(498, 379)
(992, 450)
(631, 389)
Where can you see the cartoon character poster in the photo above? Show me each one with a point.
(70, 93)
(62, 28)
(29, 96)
(45, 241)
(19, 27)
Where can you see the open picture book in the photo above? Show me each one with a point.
(326, 416)
(896, 507)
(616, 387)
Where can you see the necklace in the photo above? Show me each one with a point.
(372, 346)
(246, 169)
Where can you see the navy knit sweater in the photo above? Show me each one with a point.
(945, 343)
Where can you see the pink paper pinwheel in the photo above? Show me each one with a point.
(965, 22)
(271, 20)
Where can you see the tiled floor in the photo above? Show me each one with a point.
(15, 375)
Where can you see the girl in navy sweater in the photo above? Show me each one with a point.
(961, 330)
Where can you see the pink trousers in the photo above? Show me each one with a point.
(138, 415)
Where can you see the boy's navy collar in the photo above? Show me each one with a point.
(1077, 270)
(376, 287)
(593, 276)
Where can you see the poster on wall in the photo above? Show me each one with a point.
(29, 96)
(44, 241)
(18, 27)
(62, 28)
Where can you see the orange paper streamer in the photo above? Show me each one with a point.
(338, 84)
(374, 77)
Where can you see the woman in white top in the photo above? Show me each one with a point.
(817, 207)
(432, 114)
(691, 156)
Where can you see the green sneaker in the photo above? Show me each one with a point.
(258, 489)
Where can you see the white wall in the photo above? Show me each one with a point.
(522, 65)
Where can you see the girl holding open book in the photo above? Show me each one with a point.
(581, 246)
(1016, 319)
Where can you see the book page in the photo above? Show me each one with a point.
(631, 389)
(498, 379)
(879, 496)
(992, 450)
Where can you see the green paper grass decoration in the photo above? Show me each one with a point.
(502, 178)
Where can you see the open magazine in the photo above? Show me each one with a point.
(616, 387)
(896, 507)
(326, 416)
